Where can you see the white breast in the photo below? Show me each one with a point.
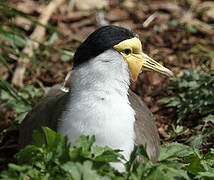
(99, 105)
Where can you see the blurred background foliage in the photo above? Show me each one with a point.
(178, 33)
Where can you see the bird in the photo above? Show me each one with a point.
(98, 100)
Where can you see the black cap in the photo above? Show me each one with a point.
(100, 40)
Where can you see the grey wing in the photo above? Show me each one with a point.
(45, 113)
(145, 130)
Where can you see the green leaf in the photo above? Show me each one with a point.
(51, 136)
(195, 165)
(206, 175)
(38, 138)
(167, 173)
(174, 150)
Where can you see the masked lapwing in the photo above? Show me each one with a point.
(99, 101)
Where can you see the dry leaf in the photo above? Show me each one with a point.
(87, 5)
(207, 10)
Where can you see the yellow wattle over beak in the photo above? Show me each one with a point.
(137, 60)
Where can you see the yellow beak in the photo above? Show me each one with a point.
(141, 61)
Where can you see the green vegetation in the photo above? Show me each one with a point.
(192, 95)
(191, 98)
(21, 101)
(51, 157)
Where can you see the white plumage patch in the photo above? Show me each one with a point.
(99, 104)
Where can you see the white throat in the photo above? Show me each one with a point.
(99, 104)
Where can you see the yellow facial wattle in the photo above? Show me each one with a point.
(131, 50)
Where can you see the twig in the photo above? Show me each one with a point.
(100, 18)
(189, 20)
(212, 64)
(37, 36)
(150, 19)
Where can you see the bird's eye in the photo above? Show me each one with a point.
(127, 51)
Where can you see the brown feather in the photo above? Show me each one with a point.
(145, 130)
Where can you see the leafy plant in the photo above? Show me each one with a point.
(191, 95)
(52, 157)
(21, 101)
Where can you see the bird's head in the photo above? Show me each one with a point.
(123, 41)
